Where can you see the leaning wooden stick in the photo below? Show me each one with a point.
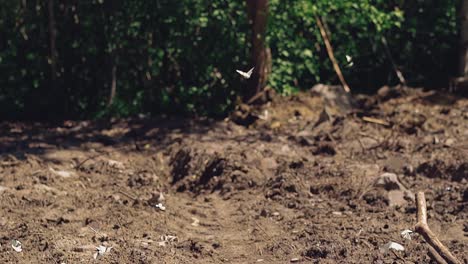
(328, 45)
(423, 229)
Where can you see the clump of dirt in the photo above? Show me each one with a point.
(296, 180)
(198, 170)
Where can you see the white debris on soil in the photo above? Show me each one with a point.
(406, 234)
(116, 164)
(167, 239)
(101, 250)
(62, 173)
(160, 206)
(161, 197)
(391, 245)
(16, 245)
(195, 222)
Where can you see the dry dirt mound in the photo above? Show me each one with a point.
(299, 182)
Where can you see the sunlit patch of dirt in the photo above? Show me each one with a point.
(296, 183)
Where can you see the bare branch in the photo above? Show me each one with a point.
(423, 229)
(331, 55)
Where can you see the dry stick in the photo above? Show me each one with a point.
(395, 68)
(435, 256)
(423, 229)
(269, 237)
(128, 195)
(375, 121)
(113, 84)
(85, 160)
(331, 55)
(258, 95)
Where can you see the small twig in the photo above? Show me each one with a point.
(90, 158)
(375, 121)
(362, 145)
(423, 229)
(331, 138)
(272, 238)
(395, 68)
(398, 257)
(258, 95)
(328, 45)
(128, 195)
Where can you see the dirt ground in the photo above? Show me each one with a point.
(285, 182)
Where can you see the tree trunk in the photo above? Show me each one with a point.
(463, 65)
(113, 88)
(257, 11)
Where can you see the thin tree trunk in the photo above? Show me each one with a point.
(463, 14)
(331, 54)
(257, 11)
(52, 42)
(462, 80)
(113, 89)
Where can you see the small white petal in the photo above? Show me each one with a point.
(62, 173)
(101, 250)
(161, 207)
(16, 245)
(406, 234)
(195, 222)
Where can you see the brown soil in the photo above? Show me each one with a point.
(284, 189)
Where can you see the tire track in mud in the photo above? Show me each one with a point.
(212, 227)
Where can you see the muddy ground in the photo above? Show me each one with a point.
(279, 183)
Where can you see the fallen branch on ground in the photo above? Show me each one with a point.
(423, 229)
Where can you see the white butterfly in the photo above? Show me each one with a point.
(349, 59)
(246, 74)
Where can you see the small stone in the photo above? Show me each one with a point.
(396, 192)
(449, 142)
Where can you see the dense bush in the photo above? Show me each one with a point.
(180, 56)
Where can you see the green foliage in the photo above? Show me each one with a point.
(355, 27)
(181, 56)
